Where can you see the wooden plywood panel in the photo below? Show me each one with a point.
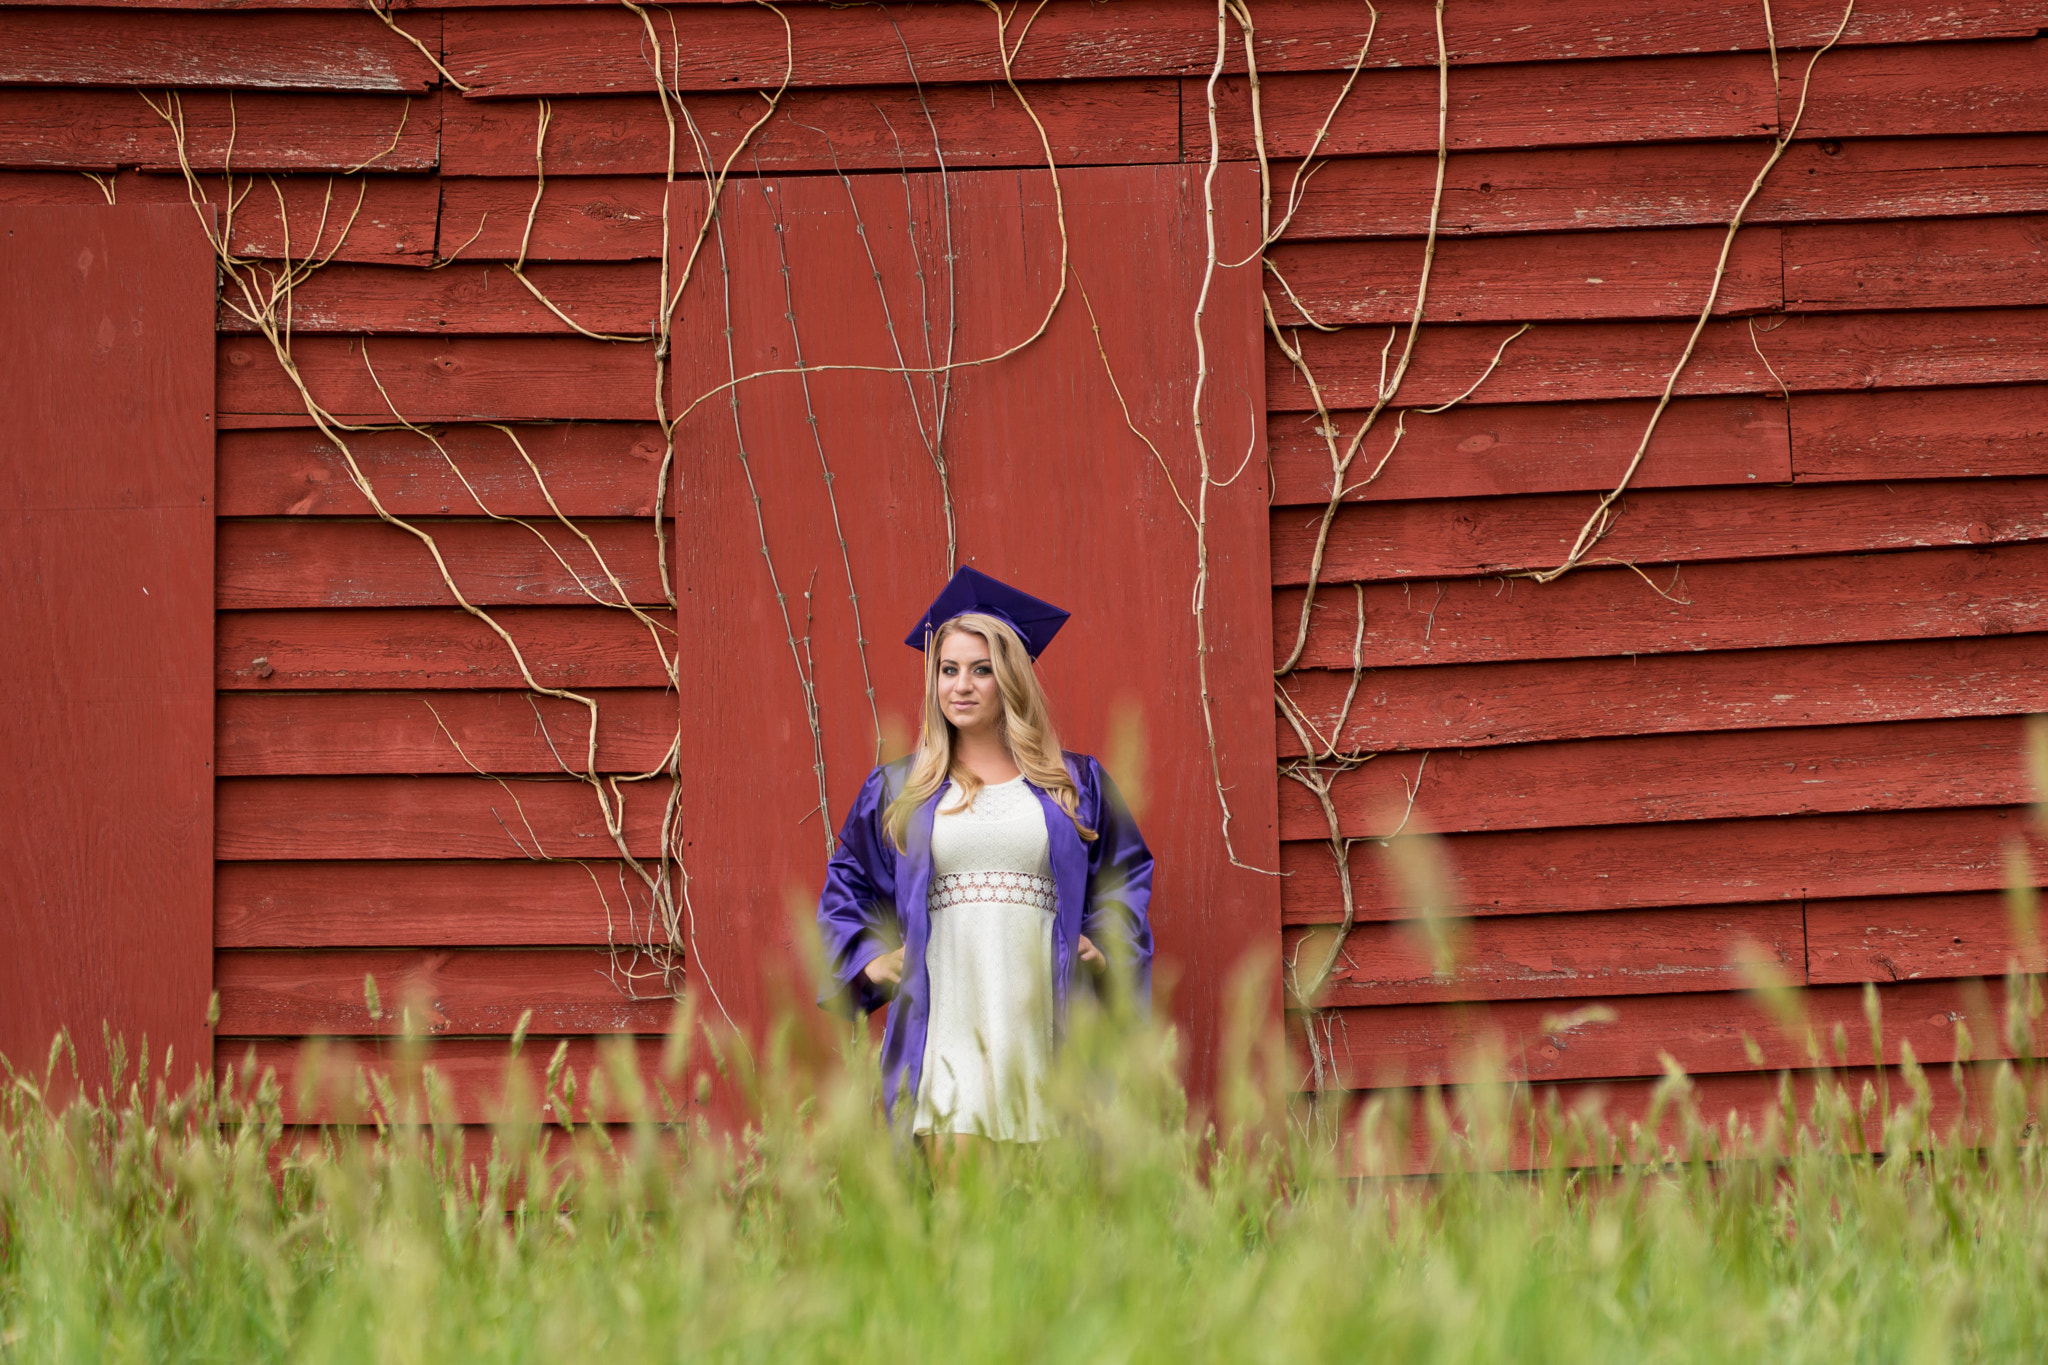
(1757, 604)
(1494, 450)
(1502, 535)
(1521, 872)
(1911, 938)
(1974, 263)
(105, 494)
(436, 379)
(306, 903)
(585, 218)
(1921, 434)
(103, 129)
(563, 646)
(1640, 779)
(1513, 703)
(485, 300)
(1946, 89)
(1047, 495)
(1580, 361)
(1652, 184)
(138, 47)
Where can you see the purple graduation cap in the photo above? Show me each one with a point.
(1034, 621)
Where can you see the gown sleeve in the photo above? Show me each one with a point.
(1117, 915)
(857, 909)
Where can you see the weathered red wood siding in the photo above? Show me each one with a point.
(1795, 739)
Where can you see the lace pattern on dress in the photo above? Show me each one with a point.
(1003, 888)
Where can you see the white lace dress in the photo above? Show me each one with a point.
(989, 1040)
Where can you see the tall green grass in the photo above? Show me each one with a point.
(198, 1226)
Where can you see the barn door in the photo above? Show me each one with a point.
(106, 611)
(820, 507)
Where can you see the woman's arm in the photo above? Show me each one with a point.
(857, 909)
(1117, 915)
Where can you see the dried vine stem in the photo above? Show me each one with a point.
(1602, 519)
(1341, 465)
(264, 302)
(383, 12)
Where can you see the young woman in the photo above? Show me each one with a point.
(1009, 872)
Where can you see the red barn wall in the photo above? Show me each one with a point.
(1775, 711)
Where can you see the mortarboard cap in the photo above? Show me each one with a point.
(1034, 621)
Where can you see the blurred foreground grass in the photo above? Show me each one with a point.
(198, 1226)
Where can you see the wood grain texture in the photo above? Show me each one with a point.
(1484, 451)
(1651, 184)
(432, 379)
(348, 51)
(531, 51)
(98, 130)
(1443, 1045)
(315, 904)
(271, 992)
(1581, 361)
(105, 487)
(482, 300)
(435, 647)
(1760, 604)
(393, 223)
(332, 562)
(1450, 538)
(1623, 274)
(1639, 779)
(884, 128)
(589, 469)
(1921, 434)
(1643, 99)
(284, 733)
(1915, 938)
(264, 818)
(1514, 703)
(1973, 263)
(584, 218)
(1548, 957)
(1618, 867)
(1947, 88)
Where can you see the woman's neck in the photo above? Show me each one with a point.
(985, 755)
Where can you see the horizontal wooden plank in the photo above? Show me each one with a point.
(1495, 450)
(1445, 1045)
(435, 647)
(1569, 275)
(1911, 938)
(427, 817)
(324, 1081)
(565, 51)
(1669, 185)
(1638, 99)
(1100, 123)
(444, 379)
(1619, 867)
(98, 130)
(1760, 604)
(1732, 774)
(313, 904)
(393, 224)
(1451, 538)
(1946, 88)
(590, 469)
(273, 992)
(347, 563)
(1580, 361)
(613, 299)
(580, 218)
(1975, 263)
(348, 51)
(1531, 957)
(1921, 434)
(285, 733)
(1515, 703)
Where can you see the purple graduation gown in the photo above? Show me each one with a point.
(873, 893)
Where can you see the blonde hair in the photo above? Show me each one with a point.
(1024, 723)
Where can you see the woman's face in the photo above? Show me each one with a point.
(967, 684)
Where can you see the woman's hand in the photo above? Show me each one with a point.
(1092, 955)
(886, 971)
